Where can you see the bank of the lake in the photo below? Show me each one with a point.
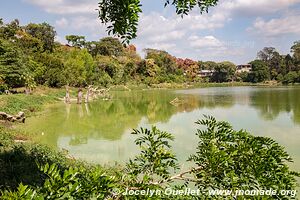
(42, 96)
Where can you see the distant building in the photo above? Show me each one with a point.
(243, 68)
(206, 73)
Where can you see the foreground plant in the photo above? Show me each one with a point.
(225, 159)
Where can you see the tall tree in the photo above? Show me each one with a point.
(267, 54)
(43, 32)
(109, 46)
(259, 73)
(76, 40)
(163, 59)
(11, 64)
(295, 49)
(8, 31)
(272, 58)
(224, 72)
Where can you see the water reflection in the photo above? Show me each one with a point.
(99, 131)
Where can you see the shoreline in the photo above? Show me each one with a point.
(36, 103)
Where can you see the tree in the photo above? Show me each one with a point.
(11, 64)
(224, 72)
(267, 54)
(272, 58)
(43, 32)
(209, 65)
(76, 40)
(295, 49)
(8, 31)
(288, 65)
(259, 73)
(290, 77)
(29, 82)
(109, 46)
(52, 68)
(78, 64)
(123, 16)
(163, 59)
(28, 43)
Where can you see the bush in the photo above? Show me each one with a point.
(290, 77)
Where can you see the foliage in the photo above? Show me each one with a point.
(75, 183)
(169, 70)
(76, 40)
(11, 64)
(156, 157)
(8, 31)
(236, 160)
(110, 47)
(283, 68)
(290, 77)
(23, 192)
(259, 72)
(224, 72)
(77, 64)
(28, 82)
(52, 67)
(122, 16)
(295, 49)
(44, 32)
(18, 164)
(28, 42)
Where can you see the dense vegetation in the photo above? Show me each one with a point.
(224, 159)
(29, 56)
(269, 65)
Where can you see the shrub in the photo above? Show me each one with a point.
(290, 77)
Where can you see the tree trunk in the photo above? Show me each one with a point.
(79, 96)
(27, 90)
(87, 95)
(67, 97)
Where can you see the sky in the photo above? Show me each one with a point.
(234, 30)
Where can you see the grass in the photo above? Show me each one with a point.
(12, 104)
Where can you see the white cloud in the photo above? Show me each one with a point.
(205, 42)
(210, 46)
(60, 40)
(193, 35)
(63, 22)
(254, 8)
(171, 33)
(277, 27)
(66, 6)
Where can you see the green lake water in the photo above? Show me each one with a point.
(99, 132)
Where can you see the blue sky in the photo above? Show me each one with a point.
(234, 30)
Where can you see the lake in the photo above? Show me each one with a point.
(99, 132)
